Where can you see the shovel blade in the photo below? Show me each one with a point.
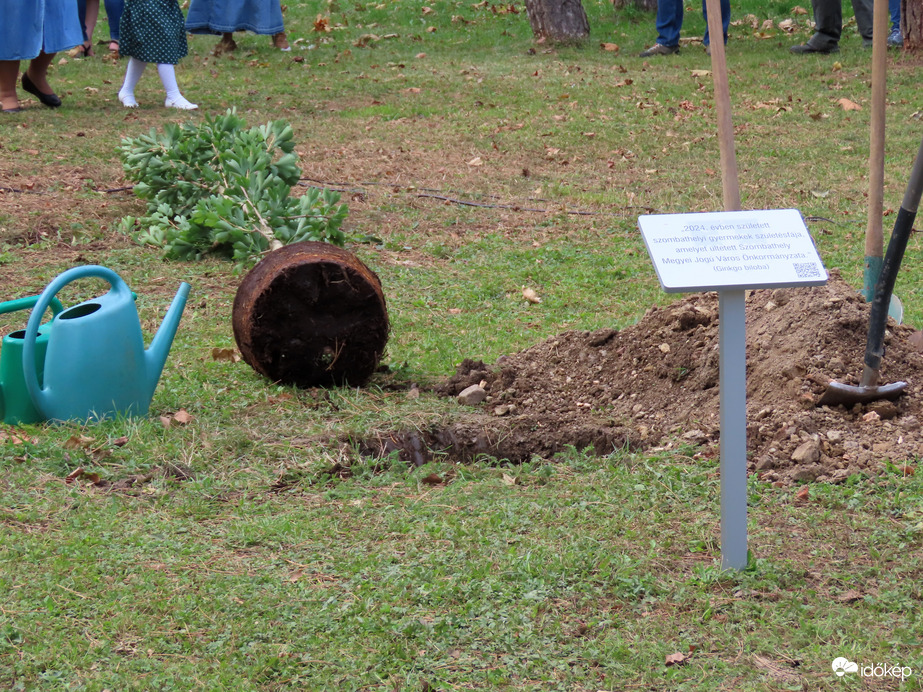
(838, 393)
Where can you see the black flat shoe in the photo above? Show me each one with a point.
(13, 110)
(50, 100)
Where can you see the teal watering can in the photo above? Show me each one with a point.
(96, 365)
(15, 403)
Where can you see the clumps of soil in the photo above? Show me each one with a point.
(656, 385)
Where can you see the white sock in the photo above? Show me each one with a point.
(174, 97)
(132, 75)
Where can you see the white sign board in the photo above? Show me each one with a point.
(711, 251)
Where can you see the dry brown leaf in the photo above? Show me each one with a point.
(701, 73)
(788, 25)
(432, 479)
(848, 105)
(166, 421)
(799, 10)
(611, 47)
(420, 56)
(476, 161)
(530, 295)
(74, 475)
(183, 417)
(14, 438)
(850, 596)
(907, 469)
(120, 441)
(412, 90)
(676, 659)
(322, 24)
(427, 10)
(78, 442)
(509, 480)
(229, 354)
(802, 495)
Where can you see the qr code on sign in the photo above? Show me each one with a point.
(805, 270)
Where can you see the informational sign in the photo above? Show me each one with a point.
(711, 251)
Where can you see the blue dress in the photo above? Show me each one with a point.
(30, 27)
(224, 16)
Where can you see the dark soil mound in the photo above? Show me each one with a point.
(655, 384)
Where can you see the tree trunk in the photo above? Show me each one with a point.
(912, 24)
(646, 5)
(558, 20)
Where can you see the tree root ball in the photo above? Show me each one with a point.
(311, 315)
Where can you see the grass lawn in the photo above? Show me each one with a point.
(231, 547)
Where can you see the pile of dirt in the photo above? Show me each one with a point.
(655, 384)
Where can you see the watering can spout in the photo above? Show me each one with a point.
(157, 352)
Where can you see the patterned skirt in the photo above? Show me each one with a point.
(153, 31)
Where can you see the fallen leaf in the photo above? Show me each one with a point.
(166, 421)
(420, 55)
(412, 90)
(476, 161)
(74, 475)
(701, 73)
(322, 24)
(848, 105)
(509, 480)
(906, 469)
(78, 442)
(788, 25)
(799, 10)
(611, 47)
(676, 659)
(802, 495)
(432, 479)
(427, 10)
(120, 441)
(183, 417)
(530, 295)
(229, 354)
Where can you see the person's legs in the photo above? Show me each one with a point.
(864, 11)
(9, 71)
(133, 72)
(669, 21)
(174, 97)
(828, 23)
(89, 17)
(38, 72)
(895, 38)
(114, 16)
(725, 20)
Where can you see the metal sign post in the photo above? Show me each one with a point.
(731, 252)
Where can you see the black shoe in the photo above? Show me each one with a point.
(13, 110)
(808, 48)
(50, 100)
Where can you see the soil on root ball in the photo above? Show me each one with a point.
(655, 384)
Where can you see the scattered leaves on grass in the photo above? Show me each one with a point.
(78, 442)
(322, 24)
(16, 438)
(676, 659)
(611, 47)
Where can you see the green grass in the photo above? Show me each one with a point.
(289, 562)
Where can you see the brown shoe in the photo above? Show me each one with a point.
(281, 42)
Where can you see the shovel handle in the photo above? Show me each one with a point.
(894, 255)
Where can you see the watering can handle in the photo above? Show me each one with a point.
(41, 304)
(25, 303)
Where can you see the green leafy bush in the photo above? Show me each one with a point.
(220, 187)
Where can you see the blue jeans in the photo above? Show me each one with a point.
(894, 8)
(670, 21)
(114, 15)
